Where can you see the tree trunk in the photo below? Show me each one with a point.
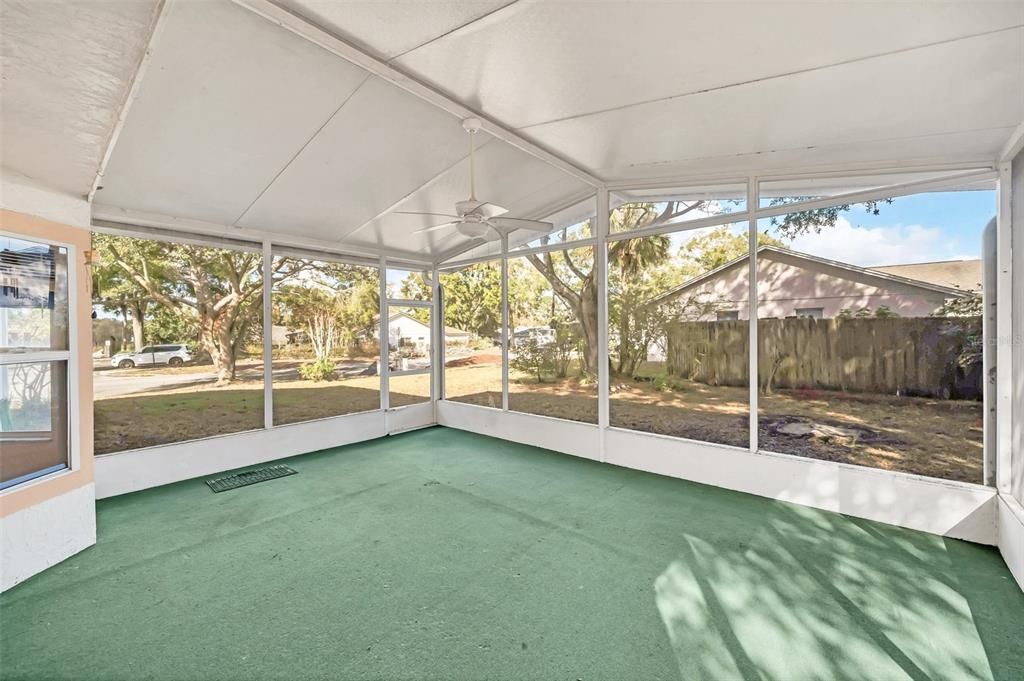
(215, 337)
(138, 311)
(587, 314)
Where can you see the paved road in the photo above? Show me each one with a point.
(119, 382)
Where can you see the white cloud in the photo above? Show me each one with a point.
(871, 246)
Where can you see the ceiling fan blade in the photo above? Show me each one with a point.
(520, 223)
(435, 228)
(489, 210)
(433, 215)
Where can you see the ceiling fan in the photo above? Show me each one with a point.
(479, 219)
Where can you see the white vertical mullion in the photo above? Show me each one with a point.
(1004, 333)
(504, 322)
(382, 342)
(268, 335)
(73, 402)
(437, 344)
(752, 307)
(601, 272)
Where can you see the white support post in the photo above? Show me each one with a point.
(504, 322)
(1004, 332)
(601, 274)
(752, 308)
(382, 342)
(437, 345)
(268, 335)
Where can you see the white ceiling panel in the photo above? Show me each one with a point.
(227, 101)
(387, 29)
(67, 67)
(380, 147)
(528, 187)
(542, 61)
(969, 86)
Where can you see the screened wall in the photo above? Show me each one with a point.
(832, 318)
(181, 352)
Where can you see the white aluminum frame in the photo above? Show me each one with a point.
(73, 385)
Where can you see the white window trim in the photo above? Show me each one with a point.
(73, 386)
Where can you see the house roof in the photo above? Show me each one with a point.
(965, 275)
(869, 272)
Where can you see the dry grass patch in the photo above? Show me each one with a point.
(939, 438)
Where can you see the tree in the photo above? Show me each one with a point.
(334, 303)
(970, 305)
(116, 290)
(633, 271)
(574, 283)
(222, 288)
(472, 299)
(800, 222)
(578, 290)
(720, 246)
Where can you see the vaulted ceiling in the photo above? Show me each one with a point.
(237, 121)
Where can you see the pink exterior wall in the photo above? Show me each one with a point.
(786, 283)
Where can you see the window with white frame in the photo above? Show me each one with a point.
(34, 360)
(810, 312)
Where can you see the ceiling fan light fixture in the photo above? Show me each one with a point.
(473, 230)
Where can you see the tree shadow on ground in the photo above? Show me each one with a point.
(801, 594)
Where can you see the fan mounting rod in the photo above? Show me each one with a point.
(472, 126)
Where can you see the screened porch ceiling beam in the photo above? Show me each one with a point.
(121, 220)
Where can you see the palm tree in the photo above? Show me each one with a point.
(631, 257)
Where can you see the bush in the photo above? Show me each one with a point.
(534, 358)
(320, 370)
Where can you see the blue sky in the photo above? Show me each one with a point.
(918, 228)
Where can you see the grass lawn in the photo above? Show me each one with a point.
(939, 438)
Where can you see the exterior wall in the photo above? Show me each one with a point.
(788, 283)
(44, 521)
(408, 328)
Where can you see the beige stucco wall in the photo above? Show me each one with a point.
(786, 283)
(78, 240)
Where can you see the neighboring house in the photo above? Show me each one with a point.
(404, 329)
(966, 275)
(793, 284)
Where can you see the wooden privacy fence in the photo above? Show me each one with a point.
(931, 356)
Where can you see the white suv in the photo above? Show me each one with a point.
(172, 355)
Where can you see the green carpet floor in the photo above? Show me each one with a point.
(446, 555)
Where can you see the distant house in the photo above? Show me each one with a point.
(793, 284)
(404, 329)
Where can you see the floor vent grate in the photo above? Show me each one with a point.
(249, 478)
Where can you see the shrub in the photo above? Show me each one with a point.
(534, 358)
(320, 370)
